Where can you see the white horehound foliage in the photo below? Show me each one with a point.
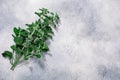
(31, 42)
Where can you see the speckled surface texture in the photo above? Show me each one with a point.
(86, 45)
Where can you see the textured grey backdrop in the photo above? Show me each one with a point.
(86, 45)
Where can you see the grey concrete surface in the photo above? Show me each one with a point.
(86, 45)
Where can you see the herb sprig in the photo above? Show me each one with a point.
(31, 42)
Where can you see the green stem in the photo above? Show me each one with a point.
(17, 60)
(33, 31)
(15, 63)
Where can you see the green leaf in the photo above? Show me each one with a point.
(7, 54)
(44, 11)
(46, 21)
(18, 40)
(23, 33)
(49, 30)
(26, 54)
(13, 47)
(37, 55)
(34, 47)
(45, 45)
(38, 14)
(45, 48)
(30, 49)
(16, 31)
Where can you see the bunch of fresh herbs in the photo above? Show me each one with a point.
(31, 42)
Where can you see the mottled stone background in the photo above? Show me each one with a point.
(86, 45)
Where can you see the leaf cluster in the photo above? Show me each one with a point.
(31, 42)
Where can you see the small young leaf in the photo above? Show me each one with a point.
(13, 47)
(7, 54)
(37, 55)
(45, 48)
(16, 31)
(39, 15)
(49, 30)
